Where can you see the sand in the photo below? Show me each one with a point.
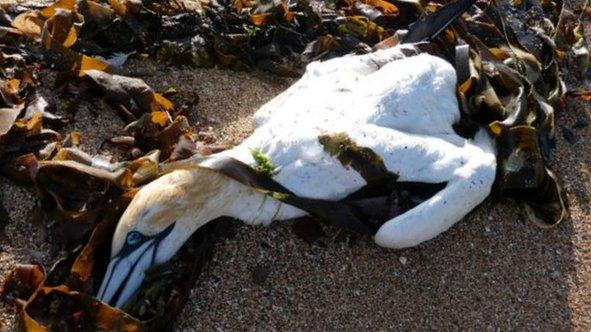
(494, 270)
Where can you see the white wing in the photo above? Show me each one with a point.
(403, 110)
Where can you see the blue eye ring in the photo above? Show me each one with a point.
(133, 238)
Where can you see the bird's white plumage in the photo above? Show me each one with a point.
(402, 108)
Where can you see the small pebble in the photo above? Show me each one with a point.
(260, 274)
(581, 124)
(403, 260)
(568, 135)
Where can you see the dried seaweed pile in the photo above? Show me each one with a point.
(510, 83)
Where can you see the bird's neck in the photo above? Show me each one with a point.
(213, 195)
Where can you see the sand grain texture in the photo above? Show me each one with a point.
(493, 270)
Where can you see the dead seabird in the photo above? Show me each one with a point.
(400, 107)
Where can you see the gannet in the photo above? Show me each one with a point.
(398, 103)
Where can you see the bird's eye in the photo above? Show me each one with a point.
(133, 238)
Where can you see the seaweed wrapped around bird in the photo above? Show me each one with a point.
(399, 144)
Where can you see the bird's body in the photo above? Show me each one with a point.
(401, 108)
(404, 112)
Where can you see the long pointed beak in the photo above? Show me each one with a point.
(127, 269)
(125, 274)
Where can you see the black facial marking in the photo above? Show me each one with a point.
(133, 238)
(126, 279)
(133, 241)
(165, 232)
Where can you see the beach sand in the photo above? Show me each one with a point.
(493, 270)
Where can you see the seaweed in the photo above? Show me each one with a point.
(507, 84)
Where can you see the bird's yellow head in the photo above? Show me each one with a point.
(161, 217)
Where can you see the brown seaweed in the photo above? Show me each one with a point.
(513, 87)
(363, 160)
